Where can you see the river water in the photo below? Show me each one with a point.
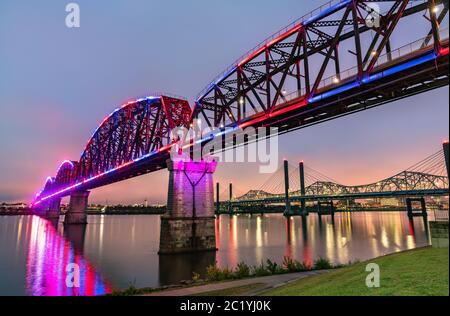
(116, 251)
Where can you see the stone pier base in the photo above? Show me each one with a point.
(189, 225)
(182, 235)
(77, 208)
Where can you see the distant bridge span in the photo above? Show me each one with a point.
(428, 177)
(294, 79)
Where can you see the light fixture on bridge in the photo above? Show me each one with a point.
(436, 9)
(374, 53)
(241, 101)
(336, 80)
(284, 92)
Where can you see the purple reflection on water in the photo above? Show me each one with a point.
(49, 255)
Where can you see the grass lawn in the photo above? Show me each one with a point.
(417, 272)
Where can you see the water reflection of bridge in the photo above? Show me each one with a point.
(427, 178)
(49, 256)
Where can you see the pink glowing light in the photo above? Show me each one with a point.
(49, 253)
(443, 51)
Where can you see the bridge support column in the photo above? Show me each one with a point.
(54, 209)
(230, 206)
(217, 199)
(42, 208)
(76, 213)
(301, 168)
(287, 211)
(329, 208)
(410, 210)
(189, 225)
(447, 158)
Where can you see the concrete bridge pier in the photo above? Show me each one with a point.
(217, 199)
(54, 209)
(287, 201)
(328, 210)
(41, 209)
(230, 199)
(77, 208)
(446, 157)
(410, 209)
(301, 168)
(189, 224)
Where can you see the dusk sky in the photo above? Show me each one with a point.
(57, 84)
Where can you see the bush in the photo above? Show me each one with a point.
(242, 270)
(213, 272)
(322, 264)
(302, 266)
(289, 264)
(295, 266)
(130, 291)
(226, 274)
(260, 270)
(195, 276)
(273, 267)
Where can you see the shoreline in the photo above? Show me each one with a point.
(206, 287)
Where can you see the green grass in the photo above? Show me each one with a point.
(417, 272)
(234, 291)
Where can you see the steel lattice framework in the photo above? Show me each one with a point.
(301, 76)
(404, 181)
(133, 131)
(137, 130)
(427, 177)
(296, 78)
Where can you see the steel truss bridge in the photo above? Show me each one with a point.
(427, 178)
(344, 57)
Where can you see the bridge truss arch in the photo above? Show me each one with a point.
(298, 76)
(138, 130)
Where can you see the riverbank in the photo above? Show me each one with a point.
(422, 272)
(16, 212)
(419, 272)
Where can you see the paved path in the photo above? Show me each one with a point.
(268, 281)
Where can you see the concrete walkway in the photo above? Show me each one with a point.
(268, 281)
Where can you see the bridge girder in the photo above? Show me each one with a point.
(136, 129)
(402, 182)
(261, 82)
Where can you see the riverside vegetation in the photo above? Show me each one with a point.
(242, 270)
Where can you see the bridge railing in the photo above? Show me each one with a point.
(410, 48)
(314, 13)
(351, 73)
(170, 95)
